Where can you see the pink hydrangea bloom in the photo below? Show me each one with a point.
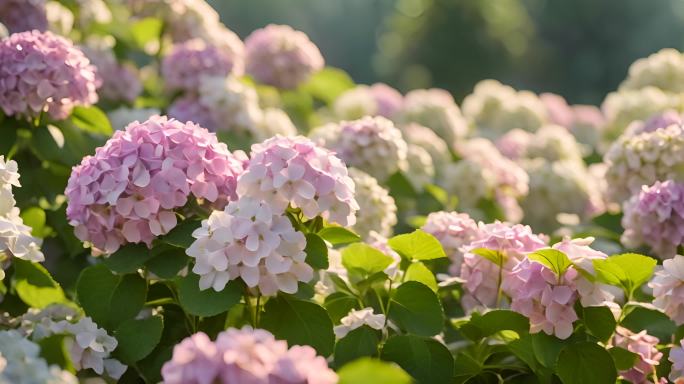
(643, 345)
(44, 72)
(436, 109)
(657, 121)
(542, 296)
(184, 66)
(295, 171)
(513, 144)
(388, 99)
(189, 108)
(655, 217)
(454, 231)
(481, 275)
(23, 15)
(128, 191)
(246, 356)
(281, 56)
(119, 82)
(677, 359)
(668, 289)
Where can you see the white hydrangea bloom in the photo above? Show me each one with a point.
(426, 138)
(421, 170)
(358, 318)
(119, 118)
(23, 365)
(233, 105)
(93, 11)
(663, 69)
(273, 122)
(377, 210)
(625, 106)
(494, 109)
(60, 18)
(554, 143)
(251, 241)
(355, 103)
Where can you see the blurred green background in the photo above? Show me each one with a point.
(580, 49)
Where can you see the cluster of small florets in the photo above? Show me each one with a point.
(128, 191)
(119, 82)
(356, 318)
(43, 72)
(494, 109)
(281, 56)
(273, 122)
(642, 344)
(377, 210)
(663, 70)
(676, 357)
(668, 289)
(585, 122)
(20, 363)
(454, 231)
(434, 108)
(245, 356)
(373, 144)
(625, 106)
(420, 170)
(424, 137)
(376, 100)
(638, 160)
(655, 122)
(23, 15)
(183, 19)
(553, 143)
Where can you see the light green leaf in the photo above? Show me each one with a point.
(364, 260)
(35, 286)
(418, 245)
(34, 217)
(585, 362)
(424, 358)
(628, 271)
(553, 259)
(328, 84)
(146, 30)
(495, 257)
(208, 302)
(372, 371)
(416, 308)
(91, 119)
(137, 338)
(420, 273)
(338, 235)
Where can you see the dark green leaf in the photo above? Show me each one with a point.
(600, 322)
(128, 259)
(656, 323)
(207, 302)
(417, 245)
(585, 362)
(167, 264)
(181, 235)
(426, 359)
(623, 358)
(481, 326)
(360, 342)
(316, 251)
(416, 308)
(338, 235)
(137, 338)
(546, 348)
(372, 371)
(54, 351)
(35, 286)
(338, 305)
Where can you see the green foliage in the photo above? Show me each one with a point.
(338, 235)
(426, 359)
(371, 371)
(600, 322)
(207, 302)
(364, 260)
(627, 271)
(585, 362)
(137, 338)
(328, 84)
(91, 119)
(316, 251)
(553, 259)
(416, 308)
(128, 259)
(358, 343)
(422, 274)
(35, 286)
(338, 305)
(481, 326)
(181, 235)
(418, 245)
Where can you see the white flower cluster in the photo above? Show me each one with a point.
(643, 159)
(554, 143)
(15, 237)
(20, 363)
(377, 210)
(663, 69)
(420, 170)
(416, 134)
(233, 105)
(248, 240)
(625, 106)
(494, 109)
(358, 318)
(273, 122)
(89, 346)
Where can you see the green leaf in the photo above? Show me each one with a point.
(208, 302)
(76, 144)
(137, 338)
(623, 358)
(546, 348)
(35, 286)
(585, 362)
(338, 305)
(316, 251)
(91, 119)
(553, 259)
(372, 371)
(128, 259)
(108, 298)
(495, 257)
(328, 83)
(417, 245)
(653, 321)
(338, 235)
(167, 264)
(54, 351)
(146, 30)
(181, 235)
(420, 273)
(416, 308)
(34, 217)
(360, 342)
(628, 271)
(365, 260)
(300, 323)
(481, 326)
(424, 358)
(600, 322)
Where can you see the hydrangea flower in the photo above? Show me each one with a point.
(424, 137)
(454, 231)
(358, 318)
(187, 63)
(655, 122)
(420, 170)
(585, 122)
(495, 109)
(376, 100)
(244, 356)
(677, 359)
(554, 143)
(253, 241)
(183, 19)
(663, 70)
(295, 171)
(372, 144)
(281, 56)
(119, 81)
(21, 363)
(513, 144)
(625, 106)
(23, 15)
(434, 108)
(643, 159)
(377, 210)
(643, 345)
(128, 191)
(40, 72)
(273, 122)
(655, 217)
(668, 288)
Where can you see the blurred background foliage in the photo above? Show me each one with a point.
(578, 48)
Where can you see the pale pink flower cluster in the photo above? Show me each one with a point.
(244, 355)
(128, 191)
(281, 56)
(454, 231)
(119, 81)
(643, 345)
(585, 122)
(424, 137)
(40, 71)
(627, 105)
(377, 209)
(677, 359)
(376, 100)
(23, 15)
(372, 144)
(249, 240)
(668, 289)
(655, 217)
(295, 171)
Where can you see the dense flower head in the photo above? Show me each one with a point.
(416, 134)
(40, 71)
(625, 106)
(655, 217)
(495, 109)
(244, 356)
(644, 345)
(281, 56)
(20, 363)
(119, 81)
(434, 108)
(655, 122)
(668, 288)
(128, 191)
(357, 318)
(187, 63)
(23, 15)
(273, 121)
(420, 170)
(454, 231)
(372, 144)
(250, 240)
(585, 122)
(377, 210)
(295, 171)
(643, 159)
(376, 100)
(554, 143)
(183, 19)
(663, 70)
(677, 359)
(513, 144)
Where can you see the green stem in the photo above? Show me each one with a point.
(257, 311)
(162, 301)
